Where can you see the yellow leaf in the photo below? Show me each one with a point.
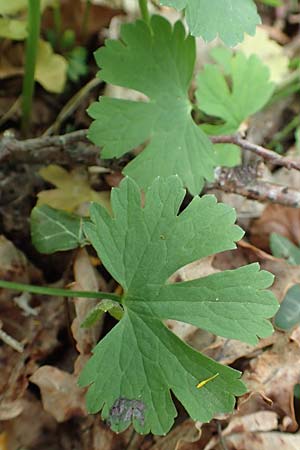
(271, 53)
(51, 69)
(72, 189)
(13, 29)
(10, 7)
(204, 382)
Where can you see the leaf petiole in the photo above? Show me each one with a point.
(144, 11)
(44, 290)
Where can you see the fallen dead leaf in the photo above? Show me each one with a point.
(255, 423)
(86, 278)
(72, 189)
(61, 396)
(276, 219)
(179, 438)
(31, 428)
(263, 441)
(275, 373)
(258, 421)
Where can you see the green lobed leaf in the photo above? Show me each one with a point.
(159, 63)
(142, 247)
(289, 312)
(282, 247)
(228, 19)
(249, 90)
(53, 230)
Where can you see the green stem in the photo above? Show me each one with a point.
(43, 290)
(85, 20)
(34, 22)
(144, 11)
(57, 22)
(292, 125)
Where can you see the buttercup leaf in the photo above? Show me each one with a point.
(142, 247)
(251, 89)
(228, 19)
(159, 63)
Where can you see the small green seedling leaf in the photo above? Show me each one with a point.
(106, 305)
(228, 19)
(53, 230)
(297, 391)
(282, 247)
(249, 90)
(232, 91)
(142, 247)
(159, 63)
(289, 312)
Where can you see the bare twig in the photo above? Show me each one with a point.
(9, 340)
(74, 148)
(69, 148)
(267, 155)
(241, 180)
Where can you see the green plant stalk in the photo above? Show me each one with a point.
(57, 21)
(85, 20)
(292, 125)
(43, 290)
(34, 23)
(144, 11)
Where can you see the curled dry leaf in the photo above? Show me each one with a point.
(61, 396)
(276, 219)
(31, 428)
(254, 423)
(85, 279)
(258, 421)
(263, 441)
(180, 438)
(275, 373)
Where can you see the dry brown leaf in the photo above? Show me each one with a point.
(31, 428)
(275, 373)
(86, 279)
(10, 410)
(61, 395)
(263, 441)
(276, 219)
(258, 421)
(72, 189)
(180, 437)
